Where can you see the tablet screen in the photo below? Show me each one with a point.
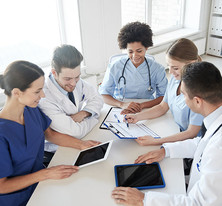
(141, 176)
(93, 154)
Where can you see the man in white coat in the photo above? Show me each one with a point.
(202, 88)
(71, 103)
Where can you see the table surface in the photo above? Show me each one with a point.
(93, 184)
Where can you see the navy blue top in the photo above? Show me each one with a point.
(21, 151)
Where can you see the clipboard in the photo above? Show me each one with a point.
(110, 117)
(132, 132)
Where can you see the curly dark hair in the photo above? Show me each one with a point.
(135, 32)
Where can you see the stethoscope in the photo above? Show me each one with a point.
(124, 79)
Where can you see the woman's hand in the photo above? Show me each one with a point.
(59, 172)
(150, 157)
(88, 144)
(131, 118)
(128, 196)
(131, 107)
(147, 140)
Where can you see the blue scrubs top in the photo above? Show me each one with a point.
(21, 151)
(182, 114)
(137, 80)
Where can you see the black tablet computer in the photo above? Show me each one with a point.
(140, 176)
(93, 155)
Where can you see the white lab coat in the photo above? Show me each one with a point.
(59, 108)
(206, 182)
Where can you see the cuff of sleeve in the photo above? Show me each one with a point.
(90, 111)
(144, 200)
(167, 152)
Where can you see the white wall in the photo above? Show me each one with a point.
(100, 24)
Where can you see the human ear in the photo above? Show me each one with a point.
(198, 101)
(16, 92)
(54, 73)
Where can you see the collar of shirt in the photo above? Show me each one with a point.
(51, 77)
(212, 116)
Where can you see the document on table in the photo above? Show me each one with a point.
(112, 116)
(114, 122)
(132, 132)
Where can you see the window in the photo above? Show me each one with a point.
(30, 30)
(162, 16)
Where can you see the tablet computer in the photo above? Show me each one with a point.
(93, 155)
(140, 176)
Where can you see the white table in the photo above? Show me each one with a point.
(93, 184)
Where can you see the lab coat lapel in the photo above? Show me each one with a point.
(62, 100)
(76, 96)
(200, 149)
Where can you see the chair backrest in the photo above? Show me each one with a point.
(118, 56)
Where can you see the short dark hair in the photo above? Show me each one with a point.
(66, 56)
(203, 79)
(19, 74)
(135, 32)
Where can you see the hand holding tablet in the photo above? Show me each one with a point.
(93, 155)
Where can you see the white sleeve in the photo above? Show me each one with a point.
(164, 199)
(182, 149)
(93, 100)
(63, 123)
(207, 188)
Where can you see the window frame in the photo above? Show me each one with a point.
(148, 18)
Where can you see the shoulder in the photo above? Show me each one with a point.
(36, 114)
(155, 65)
(5, 127)
(116, 64)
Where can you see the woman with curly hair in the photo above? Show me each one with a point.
(134, 76)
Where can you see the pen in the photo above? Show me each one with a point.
(127, 124)
(83, 96)
(116, 118)
(156, 137)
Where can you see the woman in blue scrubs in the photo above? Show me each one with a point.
(23, 128)
(134, 76)
(180, 53)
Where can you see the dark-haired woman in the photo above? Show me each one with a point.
(23, 128)
(142, 75)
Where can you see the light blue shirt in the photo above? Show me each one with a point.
(137, 80)
(182, 114)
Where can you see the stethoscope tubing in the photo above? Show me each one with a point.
(124, 79)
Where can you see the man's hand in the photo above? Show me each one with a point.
(128, 196)
(80, 116)
(150, 157)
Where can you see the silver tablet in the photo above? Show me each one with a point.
(93, 155)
